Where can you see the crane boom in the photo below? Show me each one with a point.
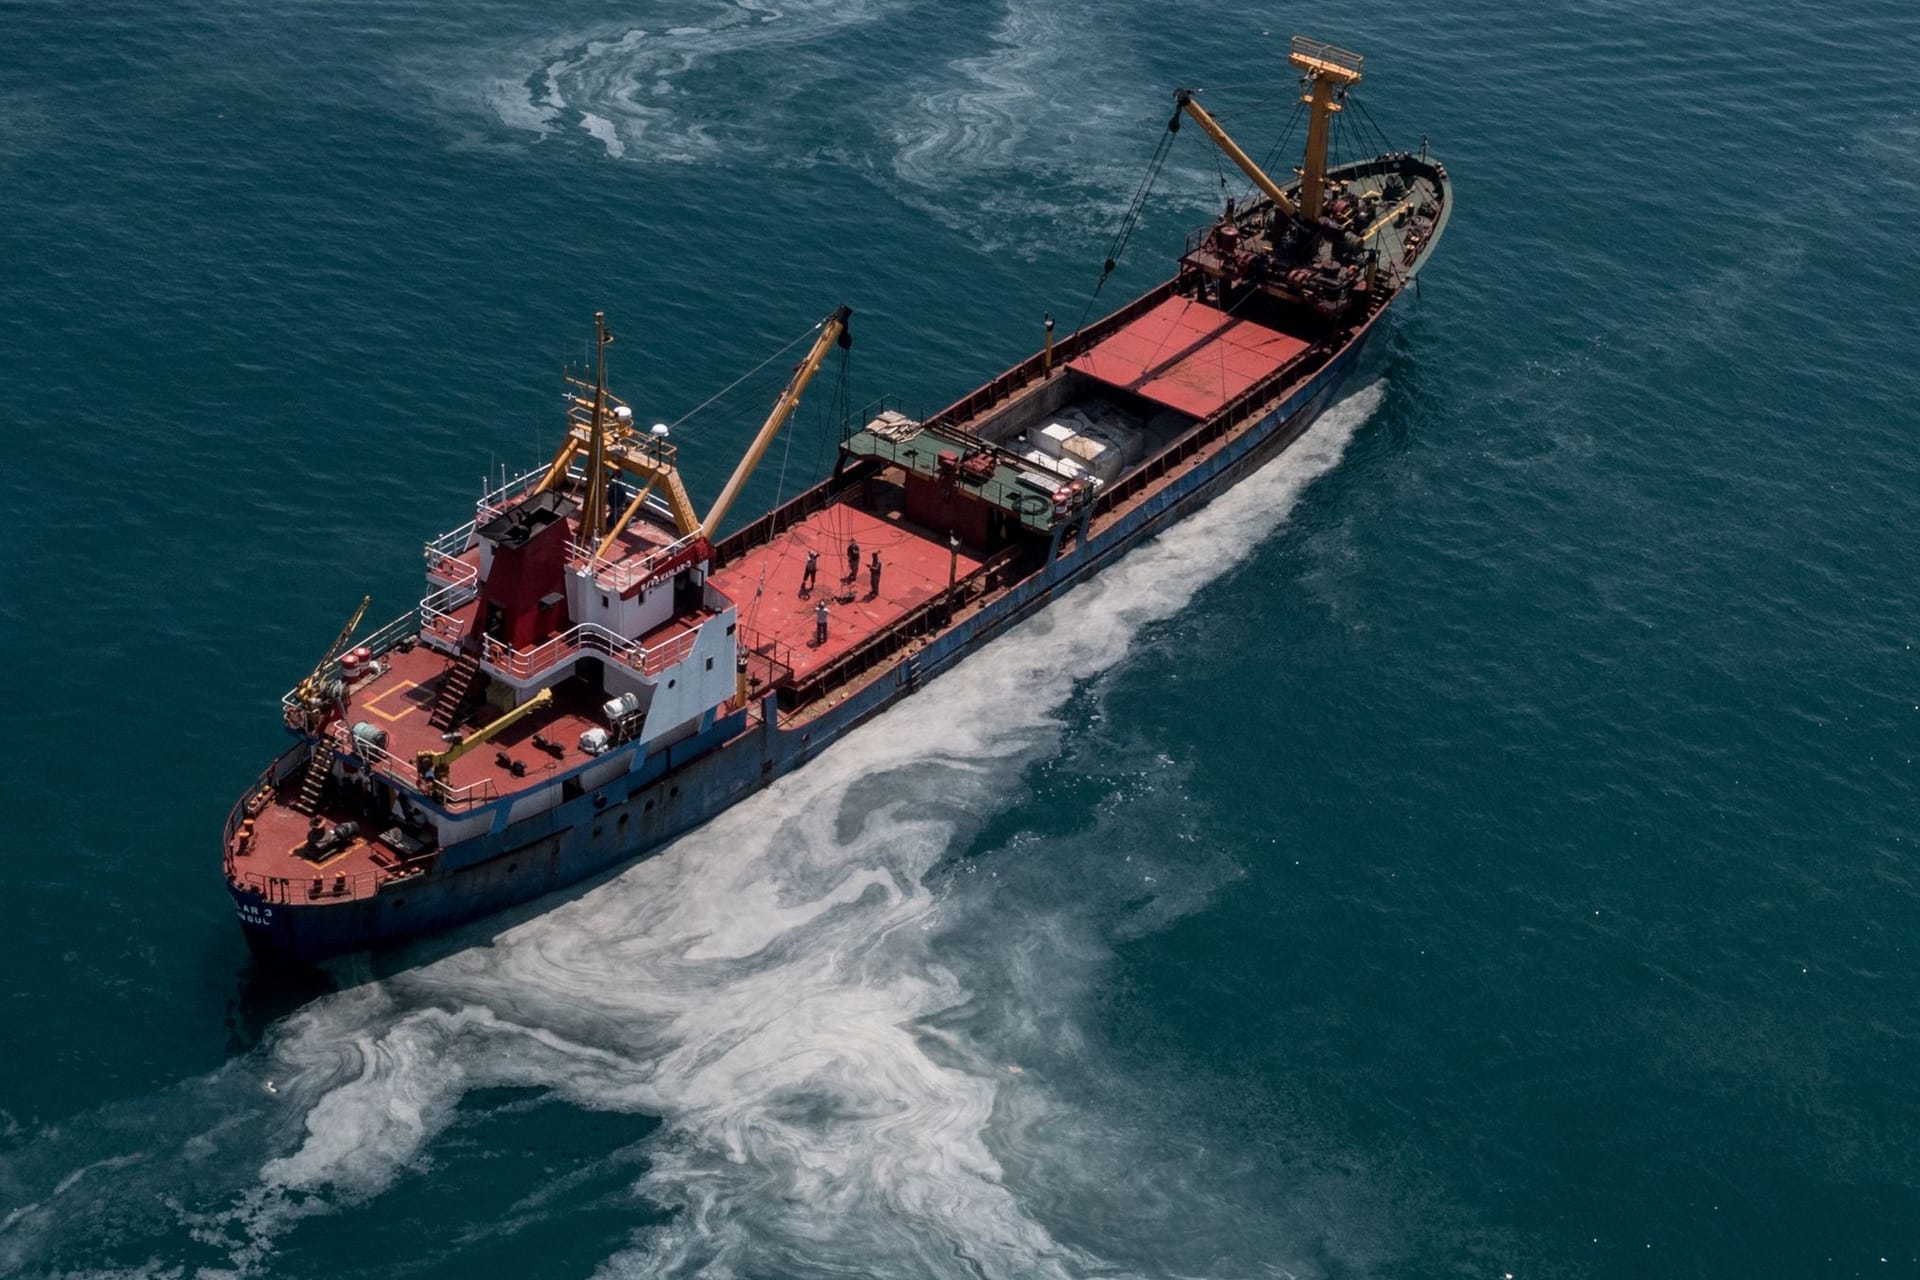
(1183, 99)
(833, 330)
(309, 688)
(430, 762)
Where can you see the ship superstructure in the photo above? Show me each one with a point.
(594, 669)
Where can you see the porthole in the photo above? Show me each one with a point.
(673, 794)
(512, 867)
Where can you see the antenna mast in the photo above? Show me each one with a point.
(1327, 72)
(593, 514)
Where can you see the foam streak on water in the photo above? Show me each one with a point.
(760, 985)
(625, 87)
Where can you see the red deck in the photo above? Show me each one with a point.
(1189, 356)
(765, 583)
(401, 701)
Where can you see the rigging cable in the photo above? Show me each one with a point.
(704, 404)
(1131, 218)
(1286, 133)
(1386, 144)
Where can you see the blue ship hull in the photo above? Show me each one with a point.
(678, 788)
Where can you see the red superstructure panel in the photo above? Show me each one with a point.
(1189, 356)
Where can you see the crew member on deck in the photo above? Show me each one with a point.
(853, 560)
(873, 576)
(819, 624)
(807, 574)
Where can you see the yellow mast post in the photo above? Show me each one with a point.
(593, 515)
(833, 330)
(1328, 71)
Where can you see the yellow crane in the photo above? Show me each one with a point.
(602, 431)
(832, 330)
(432, 764)
(1327, 72)
(1183, 98)
(308, 692)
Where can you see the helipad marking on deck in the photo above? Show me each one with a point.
(373, 704)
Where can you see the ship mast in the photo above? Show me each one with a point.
(593, 513)
(1327, 72)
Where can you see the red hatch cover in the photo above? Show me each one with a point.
(1189, 356)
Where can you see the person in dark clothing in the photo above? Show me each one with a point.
(820, 624)
(873, 576)
(853, 560)
(807, 574)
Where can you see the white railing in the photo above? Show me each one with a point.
(377, 756)
(407, 624)
(618, 575)
(443, 553)
(438, 619)
(587, 637)
(407, 773)
(493, 503)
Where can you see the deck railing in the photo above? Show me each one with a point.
(443, 553)
(439, 617)
(619, 575)
(497, 500)
(586, 637)
(324, 886)
(774, 659)
(407, 624)
(406, 774)
(320, 887)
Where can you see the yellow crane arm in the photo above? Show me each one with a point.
(1183, 98)
(433, 761)
(832, 331)
(311, 685)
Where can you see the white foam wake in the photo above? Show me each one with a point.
(635, 91)
(1030, 90)
(764, 985)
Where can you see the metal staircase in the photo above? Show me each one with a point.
(319, 765)
(452, 699)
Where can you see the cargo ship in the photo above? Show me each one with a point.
(595, 669)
